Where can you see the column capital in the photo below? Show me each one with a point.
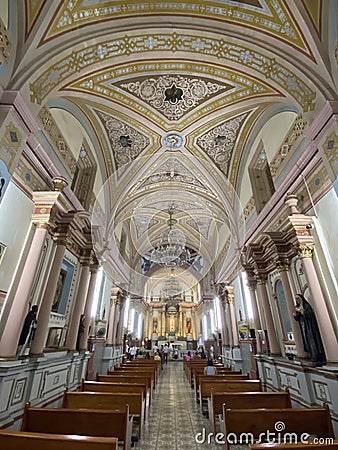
(305, 250)
(262, 278)
(252, 284)
(282, 264)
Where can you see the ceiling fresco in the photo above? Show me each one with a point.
(172, 96)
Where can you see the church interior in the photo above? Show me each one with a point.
(168, 193)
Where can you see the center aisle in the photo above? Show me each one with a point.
(175, 418)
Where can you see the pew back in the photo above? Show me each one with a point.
(245, 400)
(21, 440)
(107, 400)
(300, 421)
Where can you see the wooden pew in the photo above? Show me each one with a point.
(22, 440)
(208, 383)
(135, 371)
(92, 422)
(257, 422)
(107, 400)
(126, 378)
(223, 376)
(328, 444)
(97, 386)
(245, 400)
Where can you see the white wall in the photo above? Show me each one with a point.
(16, 214)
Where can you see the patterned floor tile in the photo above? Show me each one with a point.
(174, 419)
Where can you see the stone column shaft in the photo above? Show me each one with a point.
(319, 305)
(112, 319)
(233, 321)
(284, 275)
(88, 308)
(10, 337)
(47, 302)
(274, 346)
(78, 308)
(119, 336)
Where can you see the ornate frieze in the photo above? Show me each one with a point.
(143, 224)
(126, 142)
(57, 139)
(219, 142)
(289, 145)
(201, 225)
(83, 58)
(174, 95)
(5, 44)
(172, 170)
(273, 16)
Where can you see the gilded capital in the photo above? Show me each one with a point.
(282, 265)
(262, 278)
(305, 251)
(59, 183)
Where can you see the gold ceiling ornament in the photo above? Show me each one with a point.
(271, 17)
(147, 84)
(84, 57)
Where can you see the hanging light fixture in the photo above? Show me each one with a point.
(171, 251)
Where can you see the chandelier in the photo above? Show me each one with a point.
(171, 251)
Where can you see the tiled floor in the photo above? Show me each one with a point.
(175, 418)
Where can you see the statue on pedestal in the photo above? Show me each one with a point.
(312, 340)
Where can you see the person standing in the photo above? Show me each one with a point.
(132, 352)
(165, 352)
(28, 330)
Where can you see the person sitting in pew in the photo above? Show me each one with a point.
(209, 369)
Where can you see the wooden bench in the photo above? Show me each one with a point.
(93, 422)
(122, 378)
(135, 371)
(22, 440)
(255, 423)
(224, 376)
(208, 383)
(328, 444)
(245, 400)
(107, 400)
(98, 386)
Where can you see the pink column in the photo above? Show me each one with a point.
(88, 307)
(225, 334)
(318, 303)
(78, 307)
(233, 322)
(112, 317)
(19, 308)
(47, 301)
(284, 274)
(119, 336)
(228, 323)
(256, 318)
(274, 346)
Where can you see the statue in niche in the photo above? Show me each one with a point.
(188, 325)
(312, 340)
(173, 94)
(155, 324)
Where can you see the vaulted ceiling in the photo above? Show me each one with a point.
(170, 97)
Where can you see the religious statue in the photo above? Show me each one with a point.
(155, 325)
(188, 325)
(309, 329)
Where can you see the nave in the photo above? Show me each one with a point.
(174, 419)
